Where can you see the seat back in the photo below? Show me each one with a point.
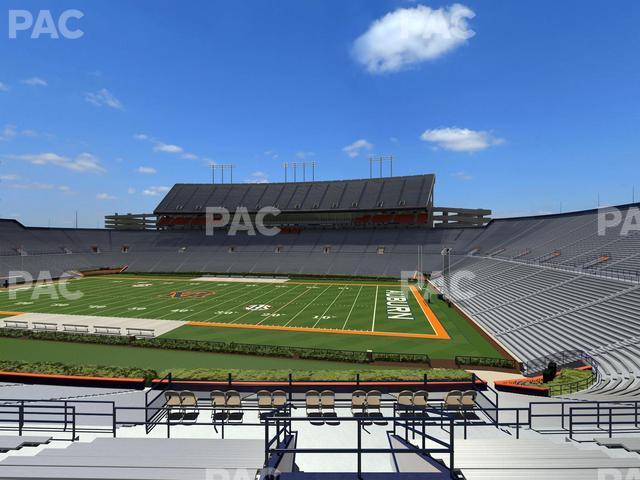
(218, 399)
(405, 398)
(420, 398)
(453, 398)
(279, 398)
(264, 399)
(172, 398)
(312, 399)
(327, 399)
(233, 399)
(374, 399)
(468, 398)
(188, 398)
(358, 399)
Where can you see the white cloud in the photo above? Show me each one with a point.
(408, 36)
(35, 82)
(168, 148)
(103, 97)
(147, 170)
(272, 154)
(131, 190)
(11, 131)
(462, 176)
(8, 132)
(3, 87)
(155, 191)
(85, 162)
(40, 186)
(357, 147)
(32, 186)
(461, 139)
(104, 196)
(9, 177)
(258, 177)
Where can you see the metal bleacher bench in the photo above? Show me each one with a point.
(106, 330)
(15, 324)
(141, 332)
(44, 326)
(69, 327)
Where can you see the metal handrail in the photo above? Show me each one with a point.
(359, 450)
(562, 358)
(609, 411)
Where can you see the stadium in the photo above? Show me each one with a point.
(319, 240)
(361, 277)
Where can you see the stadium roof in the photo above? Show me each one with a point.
(410, 192)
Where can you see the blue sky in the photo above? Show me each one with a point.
(524, 107)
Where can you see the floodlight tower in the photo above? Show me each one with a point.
(304, 166)
(380, 160)
(222, 167)
(446, 269)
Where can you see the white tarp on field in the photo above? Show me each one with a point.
(91, 324)
(241, 279)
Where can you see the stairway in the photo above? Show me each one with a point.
(537, 459)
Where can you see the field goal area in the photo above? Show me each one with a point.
(338, 307)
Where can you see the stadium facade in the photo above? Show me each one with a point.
(403, 201)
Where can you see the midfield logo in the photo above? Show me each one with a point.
(190, 294)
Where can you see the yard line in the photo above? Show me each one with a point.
(81, 305)
(117, 297)
(305, 291)
(164, 302)
(306, 306)
(227, 301)
(270, 300)
(352, 307)
(375, 307)
(226, 291)
(218, 293)
(119, 302)
(330, 305)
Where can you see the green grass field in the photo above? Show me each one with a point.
(351, 315)
(339, 305)
(90, 354)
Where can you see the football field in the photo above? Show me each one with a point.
(335, 314)
(348, 307)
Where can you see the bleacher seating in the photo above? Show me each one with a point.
(538, 284)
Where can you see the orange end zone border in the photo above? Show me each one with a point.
(11, 314)
(439, 331)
